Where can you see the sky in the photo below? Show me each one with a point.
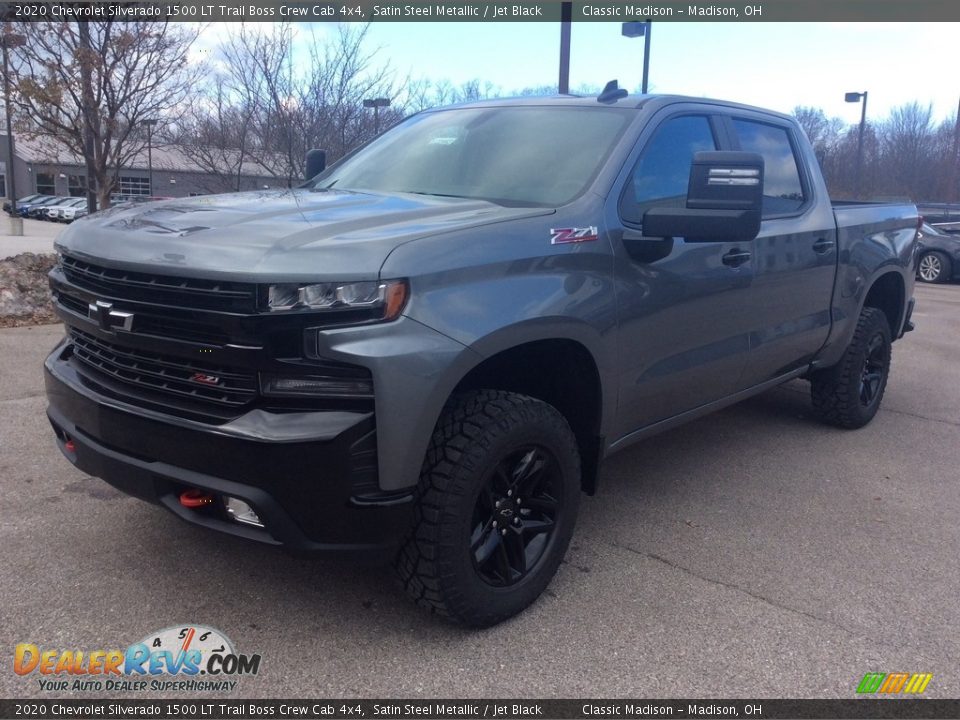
(773, 65)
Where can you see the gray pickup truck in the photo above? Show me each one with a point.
(429, 348)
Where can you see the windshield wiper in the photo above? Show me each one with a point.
(431, 194)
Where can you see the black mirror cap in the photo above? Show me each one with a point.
(316, 162)
(724, 200)
(702, 225)
(726, 180)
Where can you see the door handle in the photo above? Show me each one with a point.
(823, 245)
(736, 257)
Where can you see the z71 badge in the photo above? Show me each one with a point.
(559, 236)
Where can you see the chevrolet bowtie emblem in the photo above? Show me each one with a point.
(107, 318)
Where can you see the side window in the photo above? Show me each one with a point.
(782, 189)
(662, 172)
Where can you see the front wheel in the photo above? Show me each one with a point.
(496, 507)
(849, 393)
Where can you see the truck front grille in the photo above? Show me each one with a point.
(162, 289)
(168, 375)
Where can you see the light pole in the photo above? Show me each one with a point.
(566, 17)
(11, 40)
(641, 29)
(852, 97)
(150, 123)
(376, 104)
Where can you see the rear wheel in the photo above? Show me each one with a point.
(497, 503)
(934, 267)
(849, 393)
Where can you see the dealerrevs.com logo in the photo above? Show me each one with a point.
(176, 659)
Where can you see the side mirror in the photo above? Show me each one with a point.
(724, 201)
(316, 162)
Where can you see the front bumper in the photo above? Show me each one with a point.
(305, 474)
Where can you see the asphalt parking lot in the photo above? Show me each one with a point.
(754, 553)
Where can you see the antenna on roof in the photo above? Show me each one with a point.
(611, 93)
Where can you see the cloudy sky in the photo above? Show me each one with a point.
(775, 65)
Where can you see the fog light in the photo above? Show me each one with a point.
(295, 386)
(241, 512)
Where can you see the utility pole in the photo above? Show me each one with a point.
(150, 123)
(566, 17)
(954, 159)
(86, 97)
(376, 104)
(852, 97)
(640, 29)
(10, 40)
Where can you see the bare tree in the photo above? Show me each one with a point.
(343, 73)
(217, 138)
(907, 144)
(824, 133)
(89, 86)
(264, 107)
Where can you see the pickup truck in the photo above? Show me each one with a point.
(428, 349)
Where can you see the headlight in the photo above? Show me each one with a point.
(384, 300)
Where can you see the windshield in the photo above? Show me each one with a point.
(540, 156)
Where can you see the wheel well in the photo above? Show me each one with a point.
(563, 374)
(886, 294)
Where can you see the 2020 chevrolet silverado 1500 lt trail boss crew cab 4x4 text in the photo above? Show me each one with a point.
(431, 346)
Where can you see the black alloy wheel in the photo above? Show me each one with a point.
(495, 507)
(515, 516)
(849, 393)
(876, 360)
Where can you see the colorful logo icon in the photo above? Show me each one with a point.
(892, 683)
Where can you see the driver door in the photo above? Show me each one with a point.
(683, 307)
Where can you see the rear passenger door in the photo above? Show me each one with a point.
(795, 253)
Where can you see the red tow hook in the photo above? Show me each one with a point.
(69, 446)
(195, 498)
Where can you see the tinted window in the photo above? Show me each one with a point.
(782, 190)
(662, 173)
(45, 184)
(512, 155)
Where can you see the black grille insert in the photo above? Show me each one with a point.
(165, 289)
(165, 374)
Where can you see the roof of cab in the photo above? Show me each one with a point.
(629, 101)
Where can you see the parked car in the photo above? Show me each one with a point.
(945, 217)
(23, 208)
(55, 212)
(938, 256)
(39, 211)
(73, 212)
(428, 349)
(24, 201)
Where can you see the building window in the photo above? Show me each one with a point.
(130, 185)
(3, 185)
(46, 184)
(77, 185)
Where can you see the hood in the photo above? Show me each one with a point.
(273, 235)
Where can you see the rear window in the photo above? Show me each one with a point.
(782, 189)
